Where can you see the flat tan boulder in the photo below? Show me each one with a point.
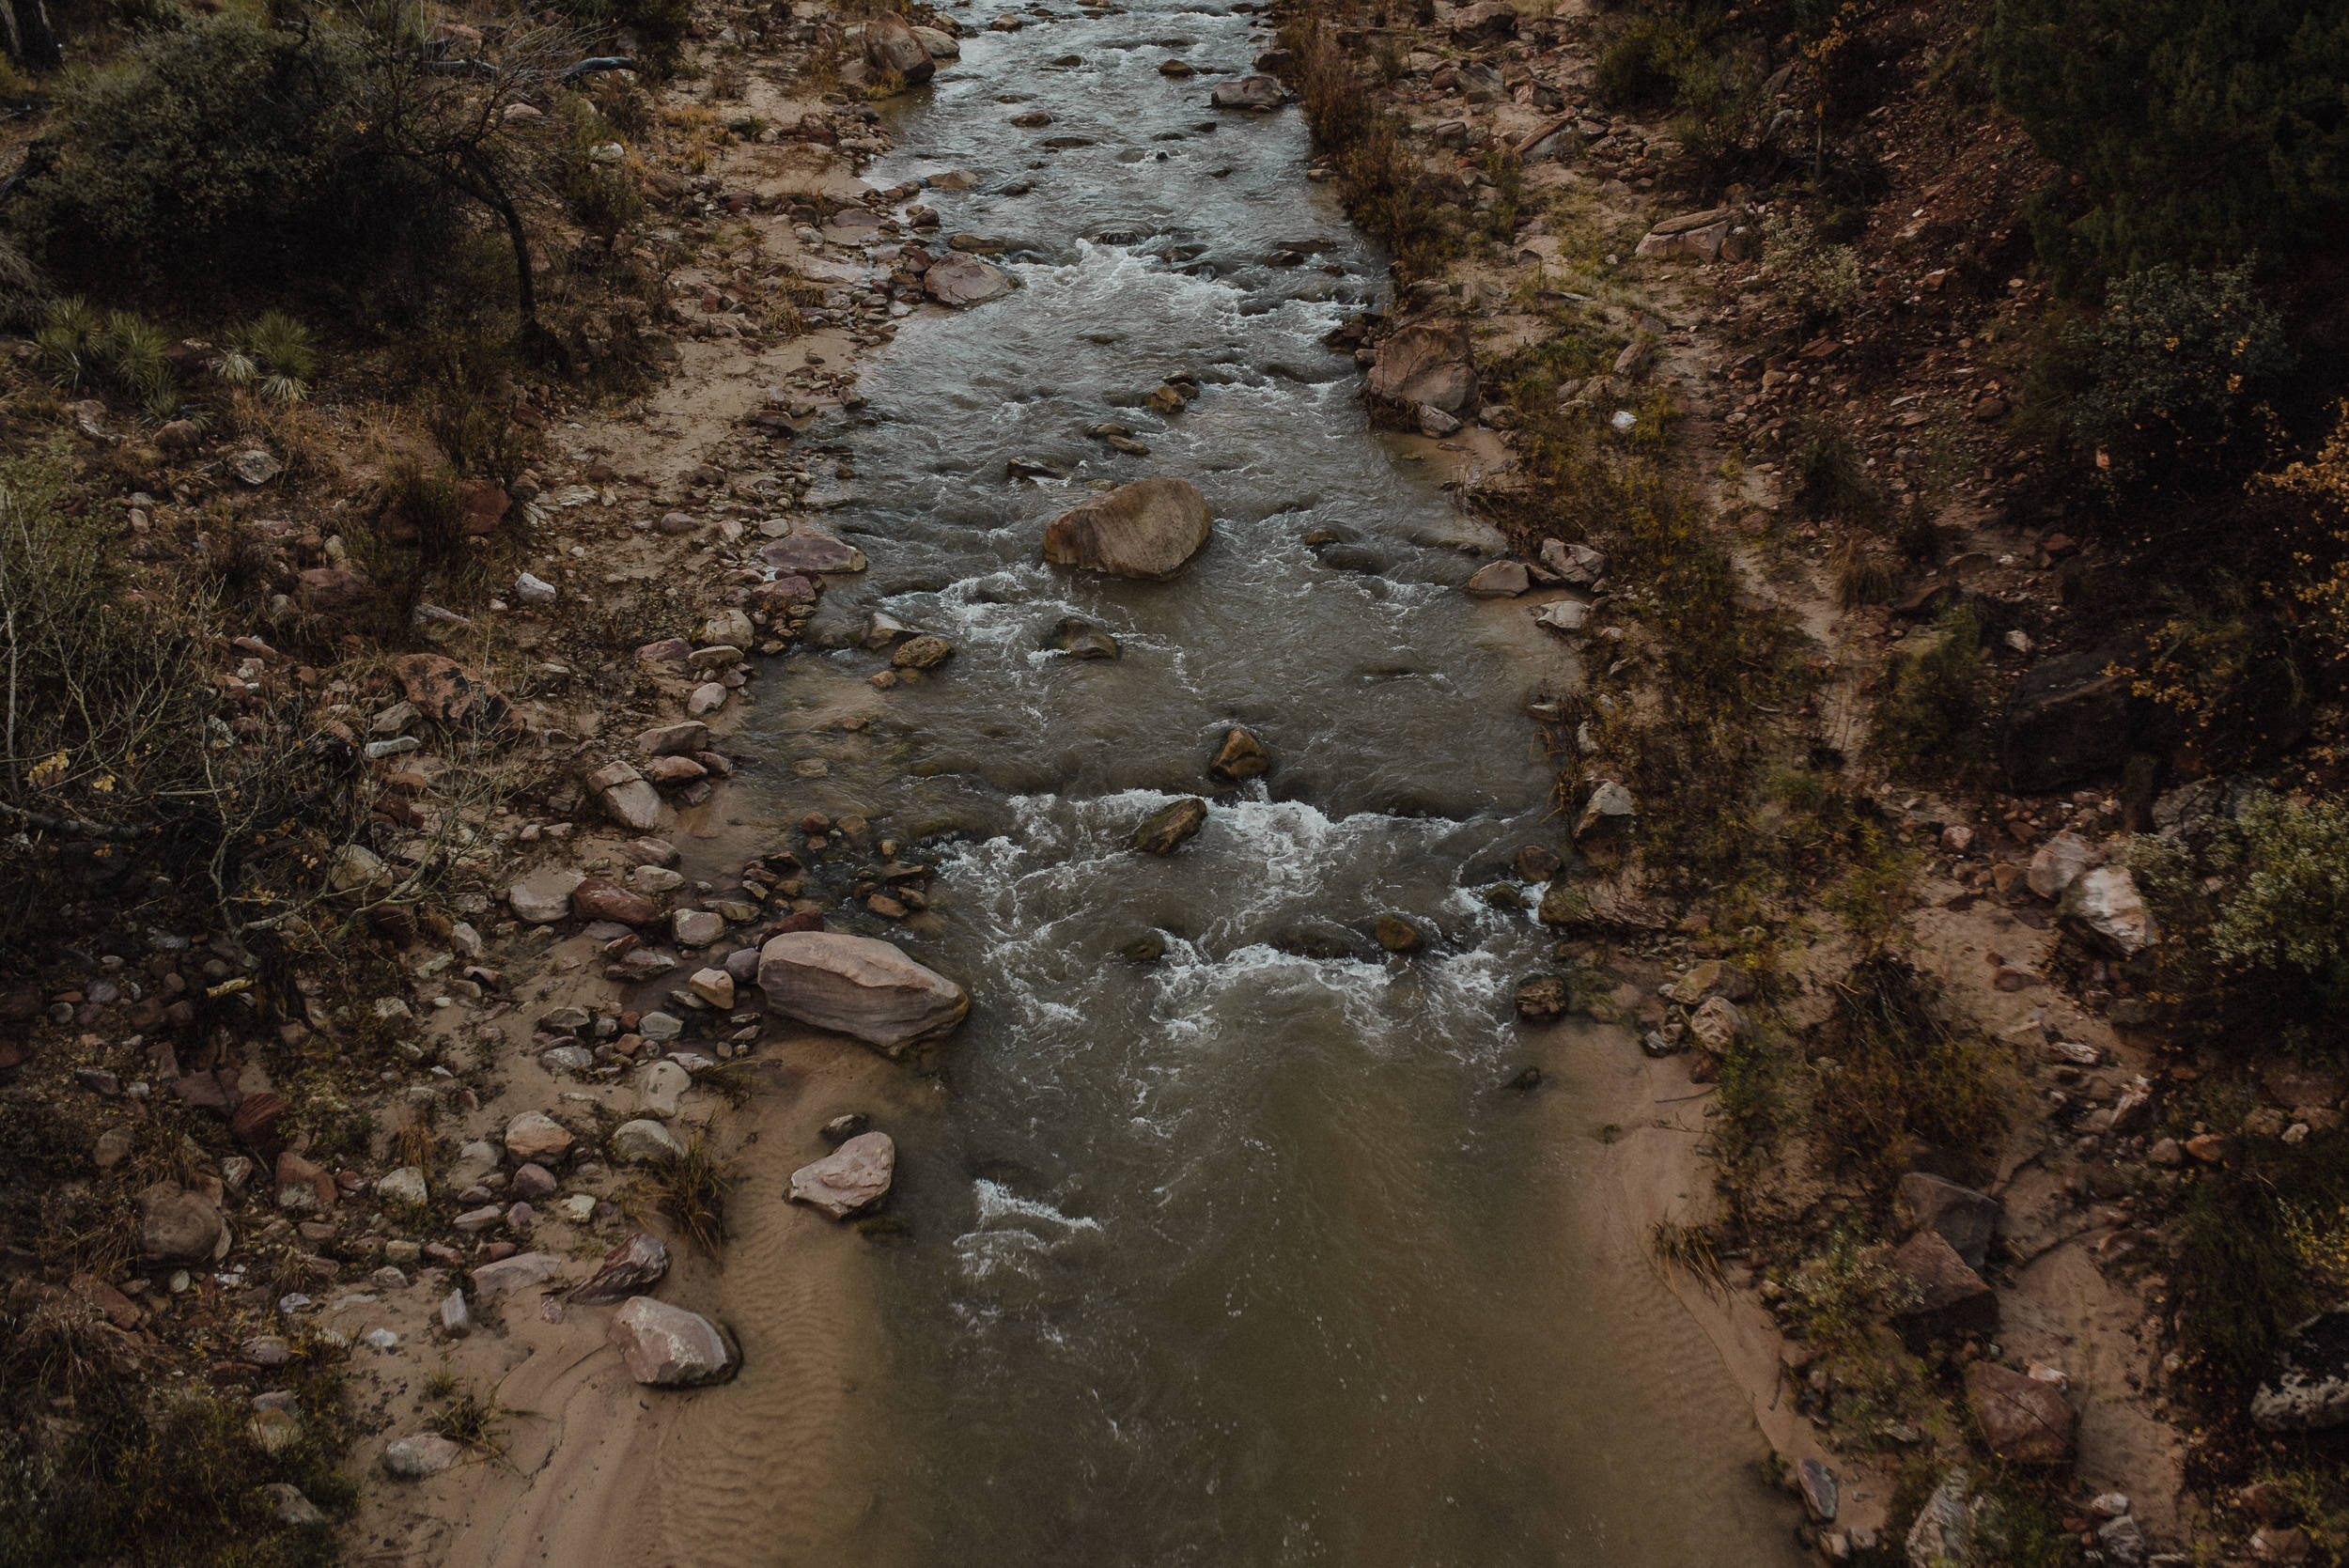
(859, 987)
(850, 1180)
(668, 1348)
(1428, 365)
(1149, 529)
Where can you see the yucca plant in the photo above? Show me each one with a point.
(272, 354)
(132, 351)
(65, 344)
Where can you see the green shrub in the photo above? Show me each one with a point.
(2292, 910)
(1928, 720)
(1820, 280)
(2200, 129)
(230, 154)
(1902, 1072)
(1640, 67)
(218, 149)
(2170, 373)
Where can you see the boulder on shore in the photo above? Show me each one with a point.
(850, 1180)
(960, 280)
(2024, 1420)
(860, 986)
(1430, 363)
(890, 46)
(668, 1348)
(1149, 529)
(2102, 907)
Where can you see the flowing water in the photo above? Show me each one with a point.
(1242, 1255)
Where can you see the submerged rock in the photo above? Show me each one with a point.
(1165, 832)
(859, 987)
(1080, 639)
(1242, 756)
(1148, 529)
(1256, 94)
(962, 280)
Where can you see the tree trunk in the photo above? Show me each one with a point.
(493, 194)
(31, 40)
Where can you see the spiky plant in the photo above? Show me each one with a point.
(274, 355)
(65, 344)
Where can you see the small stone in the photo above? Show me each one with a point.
(1397, 935)
(456, 1317)
(696, 927)
(658, 1086)
(425, 1453)
(536, 1136)
(643, 1143)
(403, 1186)
(1817, 1486)
(841, 1128)
(628, 1269)
(518, 1272)
(714, 986)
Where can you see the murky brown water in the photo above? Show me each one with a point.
(1240, 1257)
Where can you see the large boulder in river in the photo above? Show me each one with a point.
(890, 47)
(859, 987)
(1150, 528)
(1167, 830)
(1259, 94)
(1430, 363)
(958, 280)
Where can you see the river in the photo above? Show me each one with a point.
(1242, 1254)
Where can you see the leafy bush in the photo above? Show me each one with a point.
(1818, 279)
(1640, 67)
(2292, 909)
(2172, 370)
(1928, 719)
(219, 149)
(2200, 129)
(230, 154)
(119, 765)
